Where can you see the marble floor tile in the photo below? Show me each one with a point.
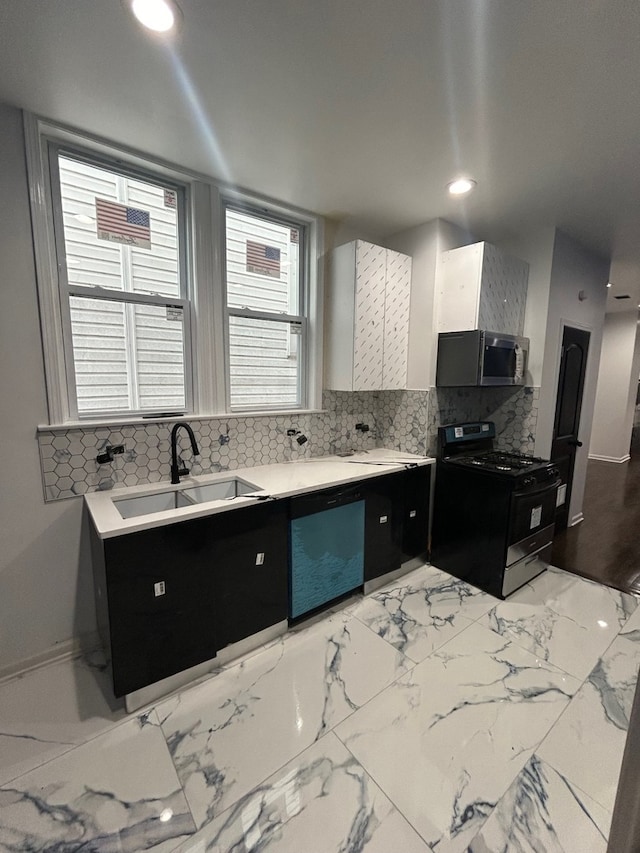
(419, 613)
(445, 742)
(563, 619)
(542, 812)
(119, 792)
(631, 628)
(321, 802)
(587, 743)
(233, 731)
(48, 711)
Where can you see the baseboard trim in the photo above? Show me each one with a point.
(390, 577)
(577, 518)
(62, 651)
(618, 459)
(232, 653)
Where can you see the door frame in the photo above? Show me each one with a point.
(584, 327)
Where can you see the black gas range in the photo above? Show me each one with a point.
(493, 510)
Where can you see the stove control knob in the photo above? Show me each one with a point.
(529, 481)
(553, 473)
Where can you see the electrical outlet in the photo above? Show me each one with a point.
(259, 559)
(159, 588)
(384, 519)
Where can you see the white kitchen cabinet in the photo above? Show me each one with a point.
(479, 287)
(367, 318)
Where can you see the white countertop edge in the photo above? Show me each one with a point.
(282, 480)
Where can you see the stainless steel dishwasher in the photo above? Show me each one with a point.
(326, 548)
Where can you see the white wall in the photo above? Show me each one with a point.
(46, 594)
(616, 389)
(574, 269)
(425, 243)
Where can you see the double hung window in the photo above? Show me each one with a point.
(162, 293)
(121, 259)
(265, 264)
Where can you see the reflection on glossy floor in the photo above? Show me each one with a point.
(427, 716)
(606, 545)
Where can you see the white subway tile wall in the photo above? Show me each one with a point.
(401, 420)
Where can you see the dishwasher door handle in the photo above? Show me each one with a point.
(326, 499)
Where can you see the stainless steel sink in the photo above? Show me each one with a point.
(146, 504)
(221, 490)
(234, 487)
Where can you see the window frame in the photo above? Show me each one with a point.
(270, 316)
(67, 290)
(204, 223)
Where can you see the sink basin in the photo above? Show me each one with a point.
(174, 499)
(132, 507)
(234, 487)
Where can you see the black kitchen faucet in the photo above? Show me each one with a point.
(178, 468)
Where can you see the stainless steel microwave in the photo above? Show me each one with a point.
(479, 358)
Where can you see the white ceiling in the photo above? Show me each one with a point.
(362, 110)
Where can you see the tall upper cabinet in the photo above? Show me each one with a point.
(367, 318)
(479, 287)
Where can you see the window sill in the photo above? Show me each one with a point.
(139, 421)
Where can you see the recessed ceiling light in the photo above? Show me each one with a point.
(461, 186)
(157, 15)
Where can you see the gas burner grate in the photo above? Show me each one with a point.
(505, 460)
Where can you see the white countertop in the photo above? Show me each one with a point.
(279, 481)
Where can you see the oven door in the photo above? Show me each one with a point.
(531, 522)
(503, 359)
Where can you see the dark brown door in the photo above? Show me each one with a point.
(573, 364)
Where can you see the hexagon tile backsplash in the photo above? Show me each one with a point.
(402, 420)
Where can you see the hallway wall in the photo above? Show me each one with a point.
(616, 390)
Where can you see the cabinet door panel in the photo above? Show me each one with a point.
(415, 524)
(369, 317)
(503, 292)
(383, 519)
(250, 564)
(155, 630)
(396, 321)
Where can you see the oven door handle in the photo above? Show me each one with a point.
(548, 487)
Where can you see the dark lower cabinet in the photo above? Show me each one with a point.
(397, 519)
(159, 586)
(170, 597)
(250, 548)
(415, 502)
(382, 538)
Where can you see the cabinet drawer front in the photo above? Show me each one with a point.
(530, 544)
(525, 570)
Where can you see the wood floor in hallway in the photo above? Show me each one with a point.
(606, 546)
